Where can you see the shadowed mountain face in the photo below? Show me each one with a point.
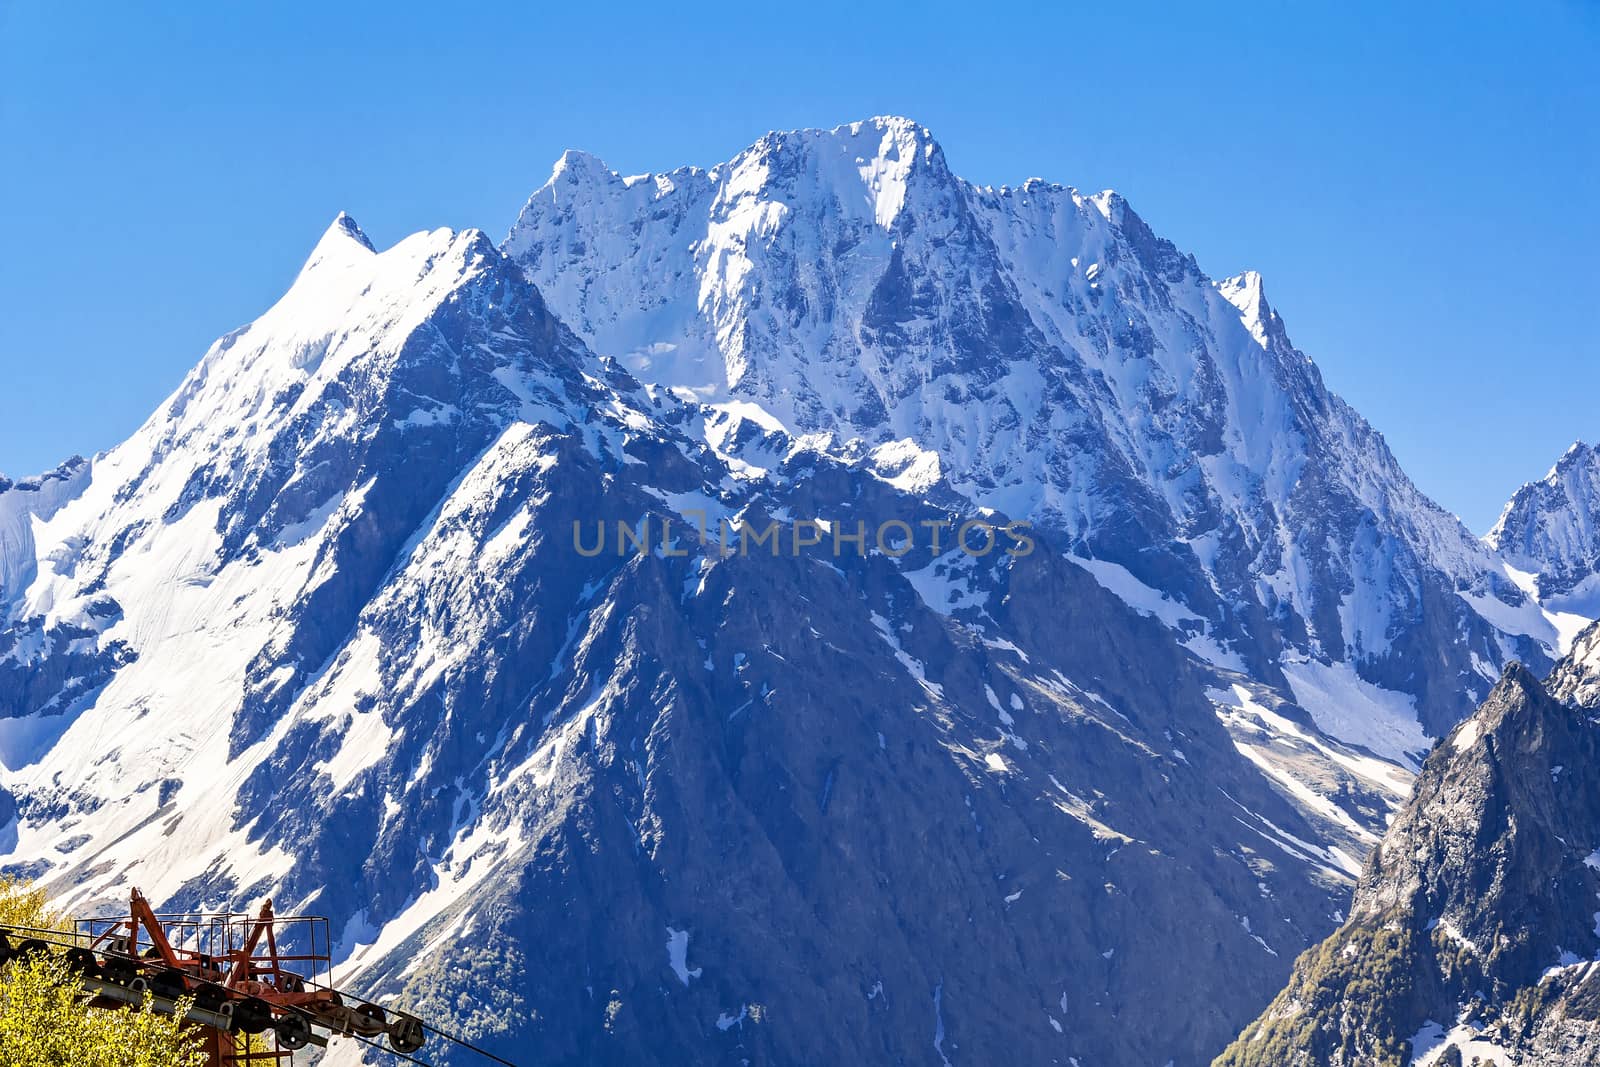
(698, 700)
(1474, 928)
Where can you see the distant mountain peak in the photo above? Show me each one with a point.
(1577, 454)
(1551, 528)
(576, 165)
(1063, 361)
(878, 144)
(871, 164)
(896, 135)
(883, 135)
(341, 244)
(897, 124)
(346, 225)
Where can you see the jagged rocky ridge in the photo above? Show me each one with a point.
(320, 629)
(1475, 931)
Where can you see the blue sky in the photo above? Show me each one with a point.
(1418, 186)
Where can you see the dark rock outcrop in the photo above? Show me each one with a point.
(1473, 931)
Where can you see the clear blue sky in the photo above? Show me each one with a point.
(1419, 187)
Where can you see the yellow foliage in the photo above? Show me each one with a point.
(46, 1022)
(22, 905)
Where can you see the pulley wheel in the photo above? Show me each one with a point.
(251, 1015)
(209, 998)
(82, 961)
(369, 1020)
(406, 1034)
(293, 1031)
(168, 984)
(120, 971)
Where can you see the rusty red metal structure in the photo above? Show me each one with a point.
(258, 987)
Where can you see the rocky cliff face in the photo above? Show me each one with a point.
(1474, 927)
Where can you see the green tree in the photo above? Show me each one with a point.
(46, 1020)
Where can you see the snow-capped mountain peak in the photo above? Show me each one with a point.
(1551, 529)
(279, 443)
(343, 247)
(869, 167)
(343, 226)
(1062, 362)
(576, 166)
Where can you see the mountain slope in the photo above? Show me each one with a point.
(1473, 931)
(350, 622)
(209, 568)
(1062, 364)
